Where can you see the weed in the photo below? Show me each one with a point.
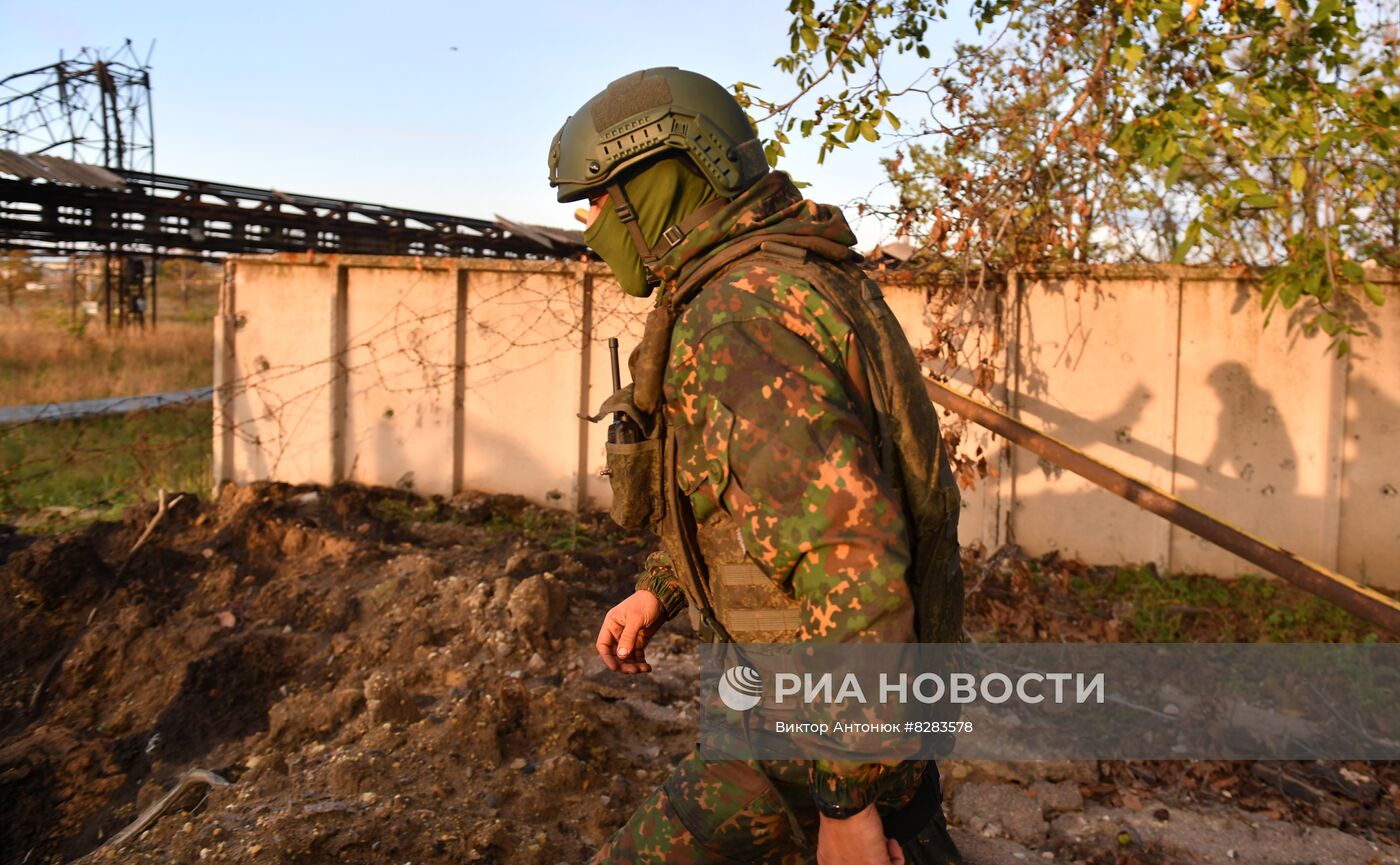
(414, 510)
(59, 475)
(1184, 607)
(559, 530)
(46, 356)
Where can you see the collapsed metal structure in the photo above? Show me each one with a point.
(41, 209)
(103, 196)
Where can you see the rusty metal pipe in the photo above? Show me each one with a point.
(1369, 604)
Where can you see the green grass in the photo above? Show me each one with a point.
(408, 511)
(1177, 607)
(559, 530)
(55, 476)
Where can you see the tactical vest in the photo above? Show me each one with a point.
(730, 596)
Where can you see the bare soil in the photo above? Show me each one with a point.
(383, 678)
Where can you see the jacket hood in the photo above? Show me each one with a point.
(771, 206)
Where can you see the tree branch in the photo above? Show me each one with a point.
(855, 31)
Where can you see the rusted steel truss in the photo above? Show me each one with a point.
(152, 213)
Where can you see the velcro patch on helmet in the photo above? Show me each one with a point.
(628, 96)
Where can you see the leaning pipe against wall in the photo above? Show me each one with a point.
(1374, 607)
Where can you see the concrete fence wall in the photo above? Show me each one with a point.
(447, 375)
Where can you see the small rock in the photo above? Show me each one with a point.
(387, 701)
(518, 563)
(518, 763)
(1057, 797)
(536, 605)
(1000, 809)
(536, 663)
(501, 590)
(226, 619)
(342, 705)
(294, 540)
(369, 797)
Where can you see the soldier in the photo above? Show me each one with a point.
(779, 439)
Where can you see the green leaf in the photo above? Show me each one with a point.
(1193, 234)
(1373, 292)
(1267, 295)
(852, 131)
(867, 130)
(1247, 185)
(1174, 169)
(1298, 177)
(1133, 55)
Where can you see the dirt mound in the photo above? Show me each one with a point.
(379, 675)
(384, 678)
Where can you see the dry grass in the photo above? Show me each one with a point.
(42, 359)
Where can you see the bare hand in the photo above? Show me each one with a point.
(858, 840)
(627, 628)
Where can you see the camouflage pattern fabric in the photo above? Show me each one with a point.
(731, 811)
(762, 395)
(658, 576)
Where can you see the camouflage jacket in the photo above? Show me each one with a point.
(758, 392)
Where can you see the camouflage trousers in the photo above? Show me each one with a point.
(733, 811)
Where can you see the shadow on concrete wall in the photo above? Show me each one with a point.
(1252, 450)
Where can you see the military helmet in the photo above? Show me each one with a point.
(645, 114)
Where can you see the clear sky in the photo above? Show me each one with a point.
(446, 106)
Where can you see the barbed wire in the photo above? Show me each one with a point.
(512, 322)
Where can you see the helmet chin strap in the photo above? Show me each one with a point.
(671, 237)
